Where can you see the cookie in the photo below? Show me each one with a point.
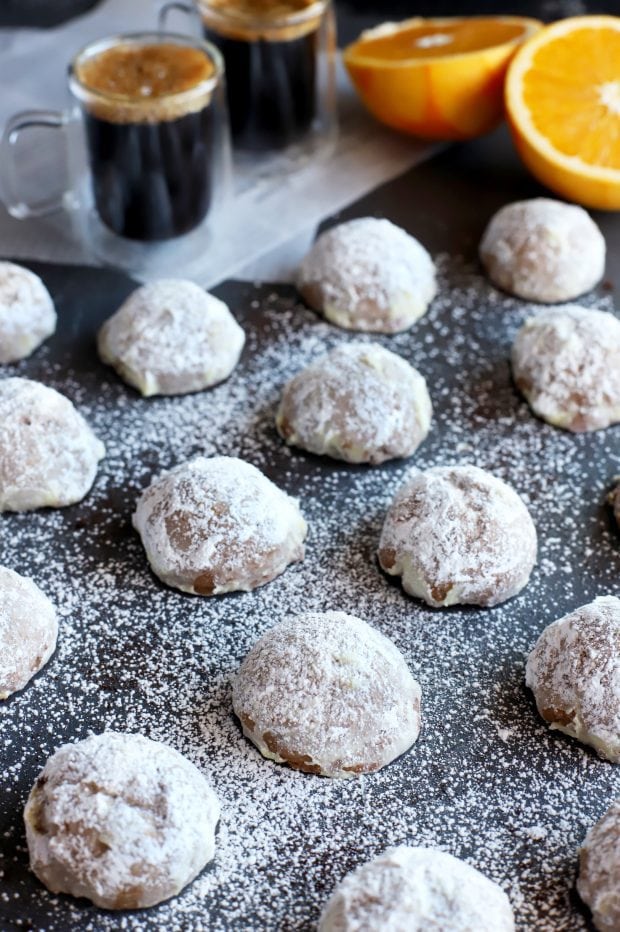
(328, 694)
(121, 820)
(415, 890)
(598, 884)
(171, 337)
(359, 403)
(574, 673)
(566, 363)
(368, 275)
(28, 631)
(27, 313)
(458, 535)
(543, 250)
(218, 525)
(48, 453)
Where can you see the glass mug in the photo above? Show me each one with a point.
(280, 70)
(147, 144)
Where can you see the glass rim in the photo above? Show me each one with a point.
(295, 18)
(150, 37)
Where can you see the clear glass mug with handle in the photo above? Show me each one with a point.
(148, 149)
(280, 59)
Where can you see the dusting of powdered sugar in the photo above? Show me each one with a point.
(217, 525)
(171, 337)
(122, 820)
(543, 250)
(48, 452)
(574, 673)
(359, 403)
(329, 694)
(566, 361)
(368, 275)
(486, 781)
(28, 631)
(27, 314)
(458, 535)
(415, 890)
(599, 869)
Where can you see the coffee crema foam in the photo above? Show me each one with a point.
(267, 20)
(145, 83)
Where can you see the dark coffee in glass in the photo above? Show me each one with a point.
(270, 49)
(151, 136)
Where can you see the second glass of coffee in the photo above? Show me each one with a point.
(280, 71)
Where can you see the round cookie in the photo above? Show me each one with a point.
(28, 631)
(27, 314)
(415, 890)
(119, 819)
(598, 884)
(171, 337)
(457, 534)
(566, 363)
(574, 673)
(327, 694)
(359, 403)
(543, 250)
(218, 525)
(368, 275)
(48, 453)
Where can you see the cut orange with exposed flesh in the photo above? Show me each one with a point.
(437, 78)
(563, 103)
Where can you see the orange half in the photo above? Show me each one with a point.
(437, 78)
(563, 103)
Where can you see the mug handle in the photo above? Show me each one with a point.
(188, 8)
(16, 204)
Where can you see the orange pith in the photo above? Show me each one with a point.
(563, 102)
(437, 78)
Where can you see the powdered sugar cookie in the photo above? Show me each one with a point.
(328, 694)
(574, 673)
(171, 337)
(122, 820)
(28, 631)
(566, 362)
(543, 250)
(368, 275)
(48, 453)
(218, 525)
(27, 313)
(417, 890)
(599, 870)
(359, 403)
(457, 534)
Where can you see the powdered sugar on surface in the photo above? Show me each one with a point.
(136, 656)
